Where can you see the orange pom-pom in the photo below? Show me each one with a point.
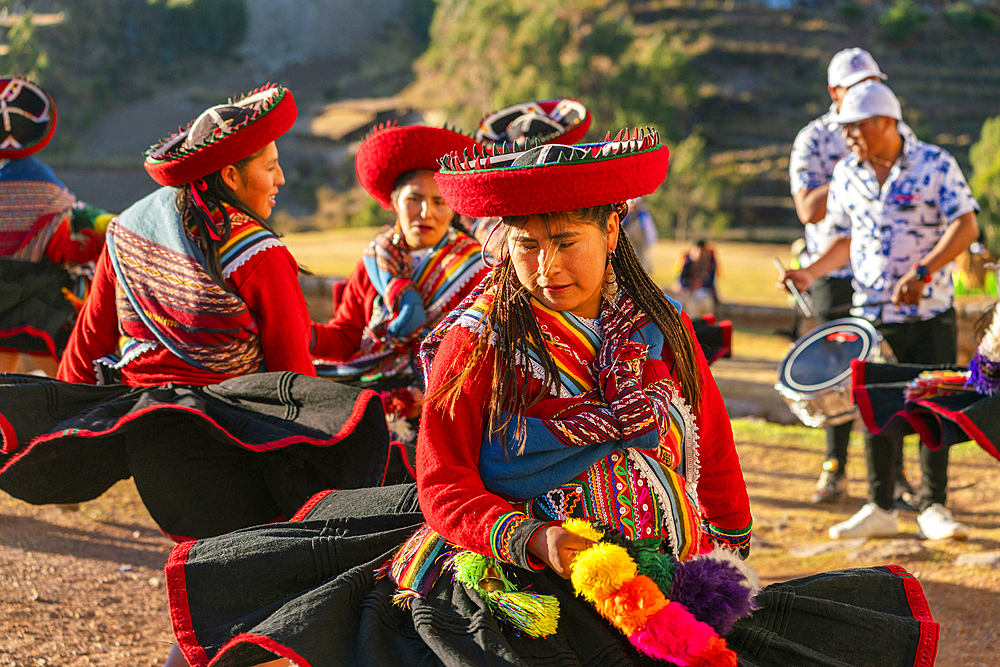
(716, 654)
(630, 607)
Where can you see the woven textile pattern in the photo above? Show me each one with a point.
(30, 211)
(166, 296)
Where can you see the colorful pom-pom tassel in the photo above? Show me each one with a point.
(674, 635)
(583, 528)
(630, 607)
(601, 570)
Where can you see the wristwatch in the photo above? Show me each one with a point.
(922, 272)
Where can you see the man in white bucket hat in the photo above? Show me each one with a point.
(903, 212)
(817, 148)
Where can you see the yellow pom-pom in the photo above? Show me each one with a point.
(601, 570)
(101, 222)
(583, 528)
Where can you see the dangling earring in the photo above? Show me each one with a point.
(609, 290)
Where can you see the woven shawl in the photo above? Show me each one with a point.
(165, 295)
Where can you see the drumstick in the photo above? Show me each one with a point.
(803, 306)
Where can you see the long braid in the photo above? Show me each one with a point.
(215, 194)
(649, 298)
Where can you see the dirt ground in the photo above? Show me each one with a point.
(86, 587)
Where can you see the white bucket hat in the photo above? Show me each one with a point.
(851, 66)
(867, 100)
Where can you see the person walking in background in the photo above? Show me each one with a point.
(641, 231)
(902, 211)
(817, 148)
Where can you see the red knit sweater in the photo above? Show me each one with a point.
(340, 338)
(267, 282)
(458, 506)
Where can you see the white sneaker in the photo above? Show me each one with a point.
(938, 523)
(869, 521)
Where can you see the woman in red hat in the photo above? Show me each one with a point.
(48, 240)
(409, 278)
(196, 307)
(572, 430)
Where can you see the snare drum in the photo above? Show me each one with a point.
(814, 378)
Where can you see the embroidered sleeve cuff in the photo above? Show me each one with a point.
(734, 540)
(509, 539)
(396, 287)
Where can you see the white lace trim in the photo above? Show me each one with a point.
(692, 460)
(250, 252)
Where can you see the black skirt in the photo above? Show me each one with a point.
(940, 421)
(35, 316)
(308, 591)
(206, 460)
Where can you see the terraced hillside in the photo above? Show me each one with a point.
(764, 77)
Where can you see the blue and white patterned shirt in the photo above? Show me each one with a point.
(898, 224)
(816, 149)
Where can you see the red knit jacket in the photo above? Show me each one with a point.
(458, 506)
(267, 282)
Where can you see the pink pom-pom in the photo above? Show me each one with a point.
(674, 635)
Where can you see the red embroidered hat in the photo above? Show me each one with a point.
(565, 121)
(551, 178)
(222, 135)
(390, 151)
(29, 118)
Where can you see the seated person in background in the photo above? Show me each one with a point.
(48, 240)
(409, 278)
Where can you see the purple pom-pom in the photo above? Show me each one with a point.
(715, 592)
(984, 375)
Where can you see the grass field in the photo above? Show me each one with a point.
(746, 276)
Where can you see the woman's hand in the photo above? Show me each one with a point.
(556, 547)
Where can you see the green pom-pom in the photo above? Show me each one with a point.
(658, 567)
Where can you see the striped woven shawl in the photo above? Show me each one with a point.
(166, 297)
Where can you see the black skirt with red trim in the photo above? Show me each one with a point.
(206, 460)
(35, 315)
(940, 421)
(308, 591)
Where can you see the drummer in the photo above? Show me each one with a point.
(817, 148)
(902, 211)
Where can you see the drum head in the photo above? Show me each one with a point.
(822, 358)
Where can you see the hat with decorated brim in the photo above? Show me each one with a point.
(222, 135)
(29, 118)
(563, 121)
(551, 178)
(390, 151)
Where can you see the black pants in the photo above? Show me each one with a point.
(931, 342)
(830, 298)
